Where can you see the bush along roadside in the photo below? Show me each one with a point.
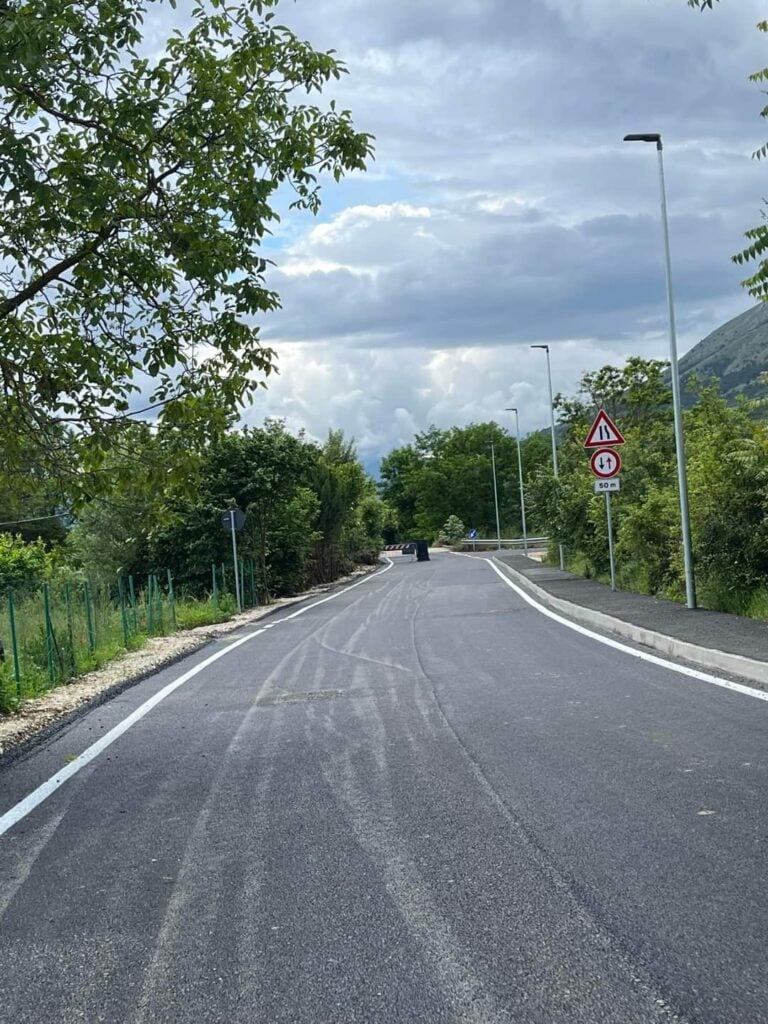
(133, 560)
(727, 471)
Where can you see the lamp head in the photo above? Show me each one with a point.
(645, 137)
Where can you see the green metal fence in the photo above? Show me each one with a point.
(54, 635)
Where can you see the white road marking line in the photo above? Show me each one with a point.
(617, 645)
(37, 796)
(359, 583)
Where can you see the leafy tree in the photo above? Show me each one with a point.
(728, 480)
(134, 484)
(399, 486)
(363, 535)
(340, 483)
(287, 561)
(757, 250)
(390, 523)
(536, 451)
(111, 539)
(271, 479)
(23, 567)
(449, 472)
(453, 531)
(727, 464)
(33, 500)
(261, 471)
(639, 396)
(134, 197)
(311, 512)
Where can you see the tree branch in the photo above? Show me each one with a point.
(44, 104)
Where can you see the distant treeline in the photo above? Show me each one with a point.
(448, 472)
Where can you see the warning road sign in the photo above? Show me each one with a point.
(604, 433)
(605, 463)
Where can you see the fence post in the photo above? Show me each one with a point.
(159, 596)
(150, 607)
(49, 640)
(253, 584)
(89, 617)
(223, 579)
(215, 591)
(123, 614)
(70, 629)
(242, 582)
(132, 593)
(14, 643)
(171, 598)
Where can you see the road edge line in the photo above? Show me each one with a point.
(693, 673)
(707, 657)
(20, 810)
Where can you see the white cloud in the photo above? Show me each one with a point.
(503, 208)
(383, 397)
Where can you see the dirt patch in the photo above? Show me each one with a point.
(40, 714)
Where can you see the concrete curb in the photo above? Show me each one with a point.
(703, 657)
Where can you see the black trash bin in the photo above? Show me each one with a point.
(422, 551)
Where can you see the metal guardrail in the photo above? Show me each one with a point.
(491, 542)
(514, 542)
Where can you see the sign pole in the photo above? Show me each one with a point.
(610, 538)
(234, 557)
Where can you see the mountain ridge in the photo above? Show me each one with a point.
(736, 353)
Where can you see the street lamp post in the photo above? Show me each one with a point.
(496, 498)
(520, 474)
(685, 518)
(552, 427)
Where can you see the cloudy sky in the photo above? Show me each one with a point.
(504, 210)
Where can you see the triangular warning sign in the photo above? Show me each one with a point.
(604, 433)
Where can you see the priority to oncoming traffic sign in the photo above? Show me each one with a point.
(605, 463)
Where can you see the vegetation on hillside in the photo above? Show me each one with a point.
(735, 353)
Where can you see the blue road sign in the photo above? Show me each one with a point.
(472, 534)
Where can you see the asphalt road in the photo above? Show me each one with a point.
(420, 802)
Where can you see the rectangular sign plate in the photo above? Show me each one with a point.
(604, 486)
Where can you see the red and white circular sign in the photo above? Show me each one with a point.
(605, 463)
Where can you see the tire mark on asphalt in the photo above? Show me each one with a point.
(301, 651)
(21, 856)
(637, 976)
(373, 822)
(191, 912)
(361, 657)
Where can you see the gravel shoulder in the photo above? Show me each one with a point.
(40, 715)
